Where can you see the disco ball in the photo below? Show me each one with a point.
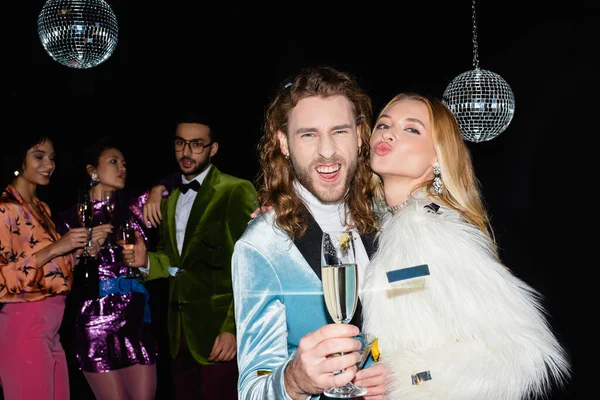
(482, 103)
(78, 33)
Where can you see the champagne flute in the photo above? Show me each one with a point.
(108, 209)
(108, 205)
(367, 341)
(85, 215)
(340, 291)
(128, 235)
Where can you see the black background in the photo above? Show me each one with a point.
(232, 56)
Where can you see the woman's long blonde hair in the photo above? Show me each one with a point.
(276, 176)
(461, 187)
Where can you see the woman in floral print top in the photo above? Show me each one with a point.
(36, 268)
(28, 230)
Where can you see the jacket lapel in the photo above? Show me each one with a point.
(205, 194)
(170, 221)
(369, 243)
(309, 244)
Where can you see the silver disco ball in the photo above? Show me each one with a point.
(482, 103)
(78, 33)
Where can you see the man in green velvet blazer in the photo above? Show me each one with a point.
(199, 228)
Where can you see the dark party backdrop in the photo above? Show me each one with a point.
(230, 57)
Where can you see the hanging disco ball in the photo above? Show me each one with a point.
(78, 33)
(482, 102)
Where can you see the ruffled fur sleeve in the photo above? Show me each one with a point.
(476, 328)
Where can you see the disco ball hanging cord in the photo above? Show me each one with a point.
(482, 102)
(78, 33)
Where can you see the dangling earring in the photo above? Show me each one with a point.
(94, 181)
(438, 185)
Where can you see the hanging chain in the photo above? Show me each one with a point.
(475, 47)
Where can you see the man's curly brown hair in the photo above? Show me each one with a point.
(276, 176)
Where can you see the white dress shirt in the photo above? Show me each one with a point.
(184, 208)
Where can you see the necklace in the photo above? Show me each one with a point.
(398, 206)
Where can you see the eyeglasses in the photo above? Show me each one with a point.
(196, 146)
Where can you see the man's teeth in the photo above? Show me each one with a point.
(328, 170)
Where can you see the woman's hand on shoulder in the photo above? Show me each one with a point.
(260, 210)
(151, 210)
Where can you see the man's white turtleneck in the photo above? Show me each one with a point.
(330, 217)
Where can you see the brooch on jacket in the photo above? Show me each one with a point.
(432, 208)
(420, 377)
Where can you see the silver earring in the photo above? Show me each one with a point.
(16, 172)
(438, 185)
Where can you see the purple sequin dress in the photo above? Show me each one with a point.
(114, 331)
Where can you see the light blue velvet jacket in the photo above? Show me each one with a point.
(278, 299)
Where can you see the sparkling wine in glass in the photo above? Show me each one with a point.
(85, 215)
(129, 240)
(340, 290)
(107, 202)
(108, 205)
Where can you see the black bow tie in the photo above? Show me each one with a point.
(194, 185)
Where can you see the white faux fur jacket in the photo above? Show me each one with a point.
(469, 329)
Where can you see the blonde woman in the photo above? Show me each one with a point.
(453, 322)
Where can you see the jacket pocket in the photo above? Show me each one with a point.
(213, 255)
(221, 301)
(211, 247)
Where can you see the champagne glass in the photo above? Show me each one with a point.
(340, 291)
(108, 208)
(127, 233)
(108, 205)
(367, 340)
(85, 215)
